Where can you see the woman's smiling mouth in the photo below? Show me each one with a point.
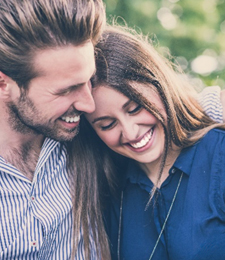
(144, 140)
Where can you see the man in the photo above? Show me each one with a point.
(46, 63)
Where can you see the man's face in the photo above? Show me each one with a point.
(58, 96)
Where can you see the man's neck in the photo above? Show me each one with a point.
(22, 151)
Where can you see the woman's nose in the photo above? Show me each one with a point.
(129, 132)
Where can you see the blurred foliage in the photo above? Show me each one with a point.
(193, 31)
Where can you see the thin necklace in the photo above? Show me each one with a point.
(163, 227)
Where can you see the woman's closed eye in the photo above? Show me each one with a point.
(108, 126)
(135, 110)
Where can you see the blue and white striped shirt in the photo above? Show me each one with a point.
(36, 217)
(209, 99)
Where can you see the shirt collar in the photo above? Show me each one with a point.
(185, 159)
(135, 174)
(49, 145)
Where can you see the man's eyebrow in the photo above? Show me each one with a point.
(71, 88)
(101, 118)
(68, 89)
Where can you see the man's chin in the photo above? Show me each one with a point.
(67, 136)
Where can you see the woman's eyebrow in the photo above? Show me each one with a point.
(101, 118)
(127, 104)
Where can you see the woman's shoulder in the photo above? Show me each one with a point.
(204, 150)
(214, 139)
(215, 133)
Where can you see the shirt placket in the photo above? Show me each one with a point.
(49, 232)
(160, 215)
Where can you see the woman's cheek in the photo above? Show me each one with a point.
(109, 138)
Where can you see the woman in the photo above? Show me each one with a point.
(159, 151)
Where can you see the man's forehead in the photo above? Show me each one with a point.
(75, 56)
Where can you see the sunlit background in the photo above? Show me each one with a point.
(193, 31)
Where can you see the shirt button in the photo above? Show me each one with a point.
(33, 243)
(33, 198)
(173, 170)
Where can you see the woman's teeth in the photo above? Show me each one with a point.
(69, 119)
(143, 141)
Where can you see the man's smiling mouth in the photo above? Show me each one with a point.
(71, 119)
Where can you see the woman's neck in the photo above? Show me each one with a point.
(152, 169)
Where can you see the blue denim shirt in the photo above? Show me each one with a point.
(196, 225)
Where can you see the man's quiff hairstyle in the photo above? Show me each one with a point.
(27, 26)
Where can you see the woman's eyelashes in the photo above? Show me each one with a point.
(135, 110)
(108, 126)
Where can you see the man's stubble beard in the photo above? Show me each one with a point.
(21, 120)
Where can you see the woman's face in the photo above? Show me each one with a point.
(126, 127)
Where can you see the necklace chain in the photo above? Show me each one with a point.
(163, 227)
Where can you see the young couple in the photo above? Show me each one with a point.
(158, 151)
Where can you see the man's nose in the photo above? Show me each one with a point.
(84, 101)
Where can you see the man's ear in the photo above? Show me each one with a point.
(5, 83)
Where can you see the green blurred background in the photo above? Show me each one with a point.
(192, 30)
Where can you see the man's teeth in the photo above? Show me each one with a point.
(69, 119)
(144, 140)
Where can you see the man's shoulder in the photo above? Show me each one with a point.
(210, 100)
